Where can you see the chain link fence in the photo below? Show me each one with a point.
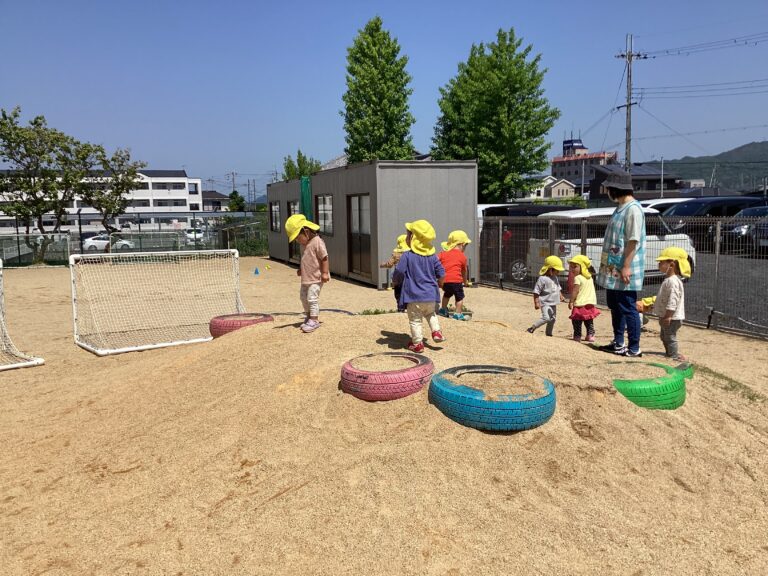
(727, 289)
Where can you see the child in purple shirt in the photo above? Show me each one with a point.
(422, 276)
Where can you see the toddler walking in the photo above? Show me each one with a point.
(422, 275)
(455, 263)
(314, 267)
(583, 299)
(670, 301)
(391, 263)
(547, 293)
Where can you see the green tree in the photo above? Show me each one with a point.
(108, 192)
(494, 110)
(303, 166)
(34, 155)
(377, 120)
(236, 202)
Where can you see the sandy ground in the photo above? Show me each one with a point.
(242, 456)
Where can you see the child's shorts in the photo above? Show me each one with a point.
(454, 289)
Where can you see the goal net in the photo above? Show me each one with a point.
(10, 357)
(142, 300)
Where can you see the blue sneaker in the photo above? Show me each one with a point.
(459, 317)
(443, 312)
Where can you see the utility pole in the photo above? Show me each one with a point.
(662, 176)
(629, 56)
(582, 176)
(233, 181)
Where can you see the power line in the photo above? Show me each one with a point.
(668, 127)
(738, 41)
(705, 85)
(660, 97)
(673, 135)
(614, 109)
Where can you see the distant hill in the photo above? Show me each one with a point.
(742, 168)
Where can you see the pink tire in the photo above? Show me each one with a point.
(389, 384)
(221, 325)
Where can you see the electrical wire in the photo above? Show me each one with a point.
(738, 41)
(668, 127)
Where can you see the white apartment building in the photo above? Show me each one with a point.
(163, 198)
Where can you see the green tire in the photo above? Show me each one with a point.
(662, 393)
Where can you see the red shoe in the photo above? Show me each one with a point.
(418, 348)
(437, 336)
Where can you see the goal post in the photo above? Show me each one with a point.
(10, 356)
(124, 302)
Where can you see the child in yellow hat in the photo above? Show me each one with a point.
(547, 294)
(422, 276)
(391, 263)
(583, 299)
(314, 268)
(455, 263)
(670, 301)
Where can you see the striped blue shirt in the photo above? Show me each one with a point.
(627, 223)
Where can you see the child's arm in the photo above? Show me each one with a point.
(464, 275)
(574, 294)
(325, 273)
(536, 302)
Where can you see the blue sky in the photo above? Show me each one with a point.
(217, 87)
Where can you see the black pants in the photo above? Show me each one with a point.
(590, 324)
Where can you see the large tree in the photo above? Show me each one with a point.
(494, 110)
(302, 166)
(35, 155)
(108, 192)
(377, 120)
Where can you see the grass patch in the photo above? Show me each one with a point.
(731, 385)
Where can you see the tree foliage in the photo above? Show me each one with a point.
(494, 110)
(303, 166)
(377, 120)
(108, 192)
(236, 202)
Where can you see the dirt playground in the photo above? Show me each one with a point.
(242, 456)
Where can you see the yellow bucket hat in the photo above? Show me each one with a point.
(584, 263)
(422, 235)
(401, 245)
(551, 262)
(680, 256)
(295, 223)
(454, 239)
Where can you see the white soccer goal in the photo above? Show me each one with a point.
(137, 301)
(10, 357)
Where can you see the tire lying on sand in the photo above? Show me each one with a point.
(663, 393)
(503, 412)
(375, 385)
(220, 325)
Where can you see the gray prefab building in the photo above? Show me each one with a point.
(363, 208)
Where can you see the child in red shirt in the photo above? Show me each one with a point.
(455, 263)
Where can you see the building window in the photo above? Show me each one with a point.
(178, 186)
(194, 207)
(274, 216)
(177, 202)
(160, 186)
(141, 186)
(192, 188)
(138, 203)
(324, 214)
(293, 208)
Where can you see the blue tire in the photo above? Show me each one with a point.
(470, 407)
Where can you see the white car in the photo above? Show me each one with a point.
(568, 232)
(100, 243)
(195, 236)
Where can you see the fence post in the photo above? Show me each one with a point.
(501, 248)
(584, 236)
(551, 237)
(80, 229)
(18, 242)
(716, 296)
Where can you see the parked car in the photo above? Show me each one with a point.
(195, 236)
(101, 242)
(741, 233)
(593, 221)
(514, 235)
(662, 204)
(682, 216)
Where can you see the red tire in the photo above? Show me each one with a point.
(221, 325)
(389, 384)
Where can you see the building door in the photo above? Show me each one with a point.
(294, 251)
(359, 241)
